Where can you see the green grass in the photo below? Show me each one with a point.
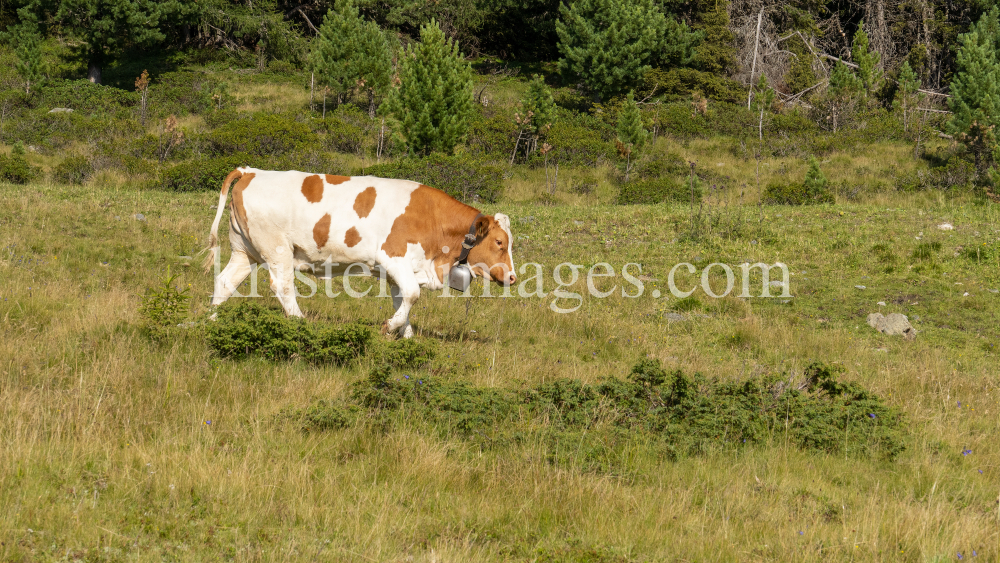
(109, 454)
(118, 447)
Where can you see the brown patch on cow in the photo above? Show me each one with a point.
(433, 220)
(312, 188)
(238, 211)
(321, 232)
(365, 202)
(352, 237)
(334, 180)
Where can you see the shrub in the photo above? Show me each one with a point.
(203, 173)
(250, 329)
(346, 129)
(461, 176)
(683, 82)
(491, 136)
(163, 308)
(73, 170)
(657, 190)
(260, 135)
(790, 193)
(409, 353)
(574, 144)
(671, 412)
(956, 174)
(86, 98)
(14, 168)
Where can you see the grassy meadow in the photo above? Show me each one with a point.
(118, 447)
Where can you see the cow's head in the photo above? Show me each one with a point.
(491, 256)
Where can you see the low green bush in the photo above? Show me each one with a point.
(792, 193)
(86, 98)
(347, 129)
(576, 144)
(683, 82)
(657, 190)
(202, 173)
(14, 168)
(670, 414)
(492, 136)
(249, 329)
(163, 308)
(956, 174)
(461, 176)
(73, 170)
(409, 353)
(260, 135)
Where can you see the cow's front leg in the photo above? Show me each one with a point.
(405, 291)
(282, 273)
(397, 302)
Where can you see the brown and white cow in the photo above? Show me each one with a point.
(300, 221)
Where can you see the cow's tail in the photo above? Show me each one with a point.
(213, 238)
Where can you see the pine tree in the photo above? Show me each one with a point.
(27, 43)
(609, 44)
(844, 87)
(907, 97)
(975, 90)
(107, 27)
(866, 60)
(433, 103)
(539, 102)
(715, 52)
(815, 181)
(631, 134)
(351, 53)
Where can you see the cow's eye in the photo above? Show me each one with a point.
(499, 243)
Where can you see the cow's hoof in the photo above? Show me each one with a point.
(384, 331)
(408, 332)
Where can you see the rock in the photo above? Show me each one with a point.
(60, 110)
(946, 227)
(140, 217)
(881, 303)
(995, 291)
(860, 287)
(675, 317)
(893, 325)
(577, 223)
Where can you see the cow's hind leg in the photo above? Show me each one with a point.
(237, 270)
(405, 292)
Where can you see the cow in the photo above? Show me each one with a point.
(292, 220)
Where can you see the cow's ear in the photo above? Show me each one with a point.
(482, 227)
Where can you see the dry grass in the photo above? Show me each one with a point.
(108, 453)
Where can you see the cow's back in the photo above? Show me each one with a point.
(323, 217)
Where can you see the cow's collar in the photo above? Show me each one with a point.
(469, 241)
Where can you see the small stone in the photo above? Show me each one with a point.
(966, 294)
(527, 219)
(577, 222)
(140, 217)
(995, 291)
(60, 110)
(946, 227)
(881, 303)
(777, 283)
(675, 317)
(860, 287)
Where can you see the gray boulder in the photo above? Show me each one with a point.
(893, 325)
